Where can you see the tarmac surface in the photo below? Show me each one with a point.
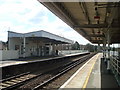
(92, 75)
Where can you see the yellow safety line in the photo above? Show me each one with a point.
(86, 81)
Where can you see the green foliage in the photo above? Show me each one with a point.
(92, 48)
(76, 46)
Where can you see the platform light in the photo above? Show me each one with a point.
(97, 17)
(108, 14)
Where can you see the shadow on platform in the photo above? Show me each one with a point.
(107, 78)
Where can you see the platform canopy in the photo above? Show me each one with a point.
(41, 35)
(92, 20)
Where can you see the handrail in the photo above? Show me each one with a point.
(115, 58)
(115, 64)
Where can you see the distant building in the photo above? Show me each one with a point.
(3, 45)
(38, 43)
(82, 47)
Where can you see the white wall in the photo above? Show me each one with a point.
(66, 52)
(8, 54)
(31, 47)
(0, 45)
(0, 54)
(13, 42)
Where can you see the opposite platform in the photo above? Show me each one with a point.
(4, 63)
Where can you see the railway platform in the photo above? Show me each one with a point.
(93, 74)
(33, 59)
(23, 60)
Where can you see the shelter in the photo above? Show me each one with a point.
(38, 43)
(93, 20)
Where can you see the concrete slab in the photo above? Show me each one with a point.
(81, 77)
(95, 77)
(101, 78)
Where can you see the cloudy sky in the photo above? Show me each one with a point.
(29, 15)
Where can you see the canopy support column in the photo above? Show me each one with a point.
(108, 42)
(98, 49)
(24, 46)
(104, 51)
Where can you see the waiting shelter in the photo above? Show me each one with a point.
(38, 43)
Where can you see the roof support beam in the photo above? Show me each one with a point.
(94, 35)
(84, 9)
(65, 12)
(59, 10)
(97, 41)
(91, 26)
(96, 26)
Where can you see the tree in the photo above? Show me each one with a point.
(90, 48)
(76, 46)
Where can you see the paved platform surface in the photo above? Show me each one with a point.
(92, 74)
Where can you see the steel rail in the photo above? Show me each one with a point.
(69, 67)
(16, 81)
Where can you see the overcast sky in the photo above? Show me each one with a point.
(29, 15)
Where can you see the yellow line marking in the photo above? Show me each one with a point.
(88, 76)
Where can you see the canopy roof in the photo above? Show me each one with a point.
(90, 19)
(41, 36)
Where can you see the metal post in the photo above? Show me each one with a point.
(37, 48)
(108, 39)
(117, 68)
(118, 63)
(98, 47)
(108, 63)
(8, 40)
(24, 41)
(50, 48)
(53, 49)
(104, 50)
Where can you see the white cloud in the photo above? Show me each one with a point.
(29, 15)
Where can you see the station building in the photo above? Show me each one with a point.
(3, 45)
(38, 43)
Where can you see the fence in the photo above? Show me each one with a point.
(115, 66)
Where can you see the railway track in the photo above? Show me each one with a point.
(61, 72)
(19, 80)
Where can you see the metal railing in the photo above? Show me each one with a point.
(115, 67)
